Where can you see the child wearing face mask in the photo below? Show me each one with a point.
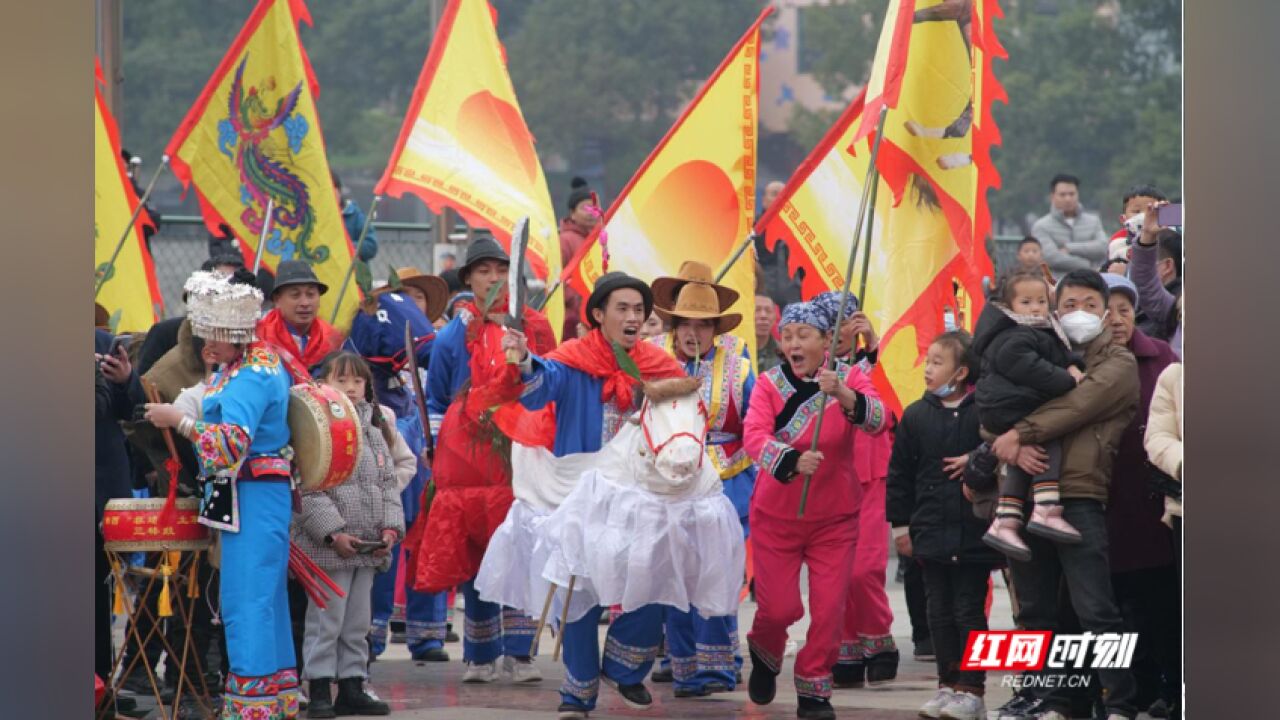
(349, 531)
(934, 523)
(1026, 362)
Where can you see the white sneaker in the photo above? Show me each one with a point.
(964, 706)
(480, 673)
(932, 708)
(520, 671)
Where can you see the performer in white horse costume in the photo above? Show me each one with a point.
(642, 521)
(626, 507)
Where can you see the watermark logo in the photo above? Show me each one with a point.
(1031, 650)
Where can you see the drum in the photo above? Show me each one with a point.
(325, 435)
(132, 524)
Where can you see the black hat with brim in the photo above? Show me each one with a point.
(616, 281)
(482, 249)
(296, 272)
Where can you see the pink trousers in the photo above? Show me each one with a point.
(868, 620)
(781, 546)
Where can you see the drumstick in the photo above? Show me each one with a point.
(308, 584)
(153, 396)
(542, 620)
(316, 570)
(564, 620)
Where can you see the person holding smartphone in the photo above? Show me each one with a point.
(349, 531)
(1155, 267)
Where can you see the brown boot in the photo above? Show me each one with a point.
(1003, 536)
(1047, 522)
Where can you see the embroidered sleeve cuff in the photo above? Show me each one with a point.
(435, 421)
(774, 459)
(219, 446)
(868, 414)
(785, 470)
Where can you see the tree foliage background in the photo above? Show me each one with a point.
(1094, 85)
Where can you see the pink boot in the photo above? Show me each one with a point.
(1047, 522)
(1003, 536)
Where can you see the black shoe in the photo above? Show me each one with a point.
(635, 696)
(451, 637)
(432, 655)
(882, 667)
(662, 675)
(763, 685)
(320, 699)
(687, 692)
(812, 708)
(849, 674)
(138, 683)
(1020, 707)
(353, 700)
(923, 650)
(568, 711)
(1159, 709)
(737, 677)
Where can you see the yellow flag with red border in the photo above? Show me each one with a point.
(130, 286)
(253, 138)
(464, 143)
(930, 218)
(694, 197)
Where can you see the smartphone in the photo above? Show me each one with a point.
(364, 547)
(1169, 215)
(120, 341)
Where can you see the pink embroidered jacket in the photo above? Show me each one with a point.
(779, 427)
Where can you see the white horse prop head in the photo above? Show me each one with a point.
(673, 423)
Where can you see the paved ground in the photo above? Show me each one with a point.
(422, 691)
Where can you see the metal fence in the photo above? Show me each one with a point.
(183, 244)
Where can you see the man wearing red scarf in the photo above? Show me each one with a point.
(474, 413)
(293, 327)
(593, 395)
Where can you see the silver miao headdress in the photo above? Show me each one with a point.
(221, 310)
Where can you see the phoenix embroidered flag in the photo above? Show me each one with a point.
(694, 197)
(931, 217)
(253, 137)
(464, 143)
(130, 286)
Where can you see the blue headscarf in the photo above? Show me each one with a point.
(830, 302)
(807, 313)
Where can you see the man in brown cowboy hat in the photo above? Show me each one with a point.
(429, 292)
(701, 651)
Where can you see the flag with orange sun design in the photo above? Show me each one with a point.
(931, 216)
(694, 197)
(465, 145)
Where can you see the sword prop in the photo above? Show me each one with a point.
(515, 283)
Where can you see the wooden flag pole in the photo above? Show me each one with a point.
(133, 219)
(364, 231)
(546, 296)
(871, 179)
(866, 251)
(262, 236)
(742, 248)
